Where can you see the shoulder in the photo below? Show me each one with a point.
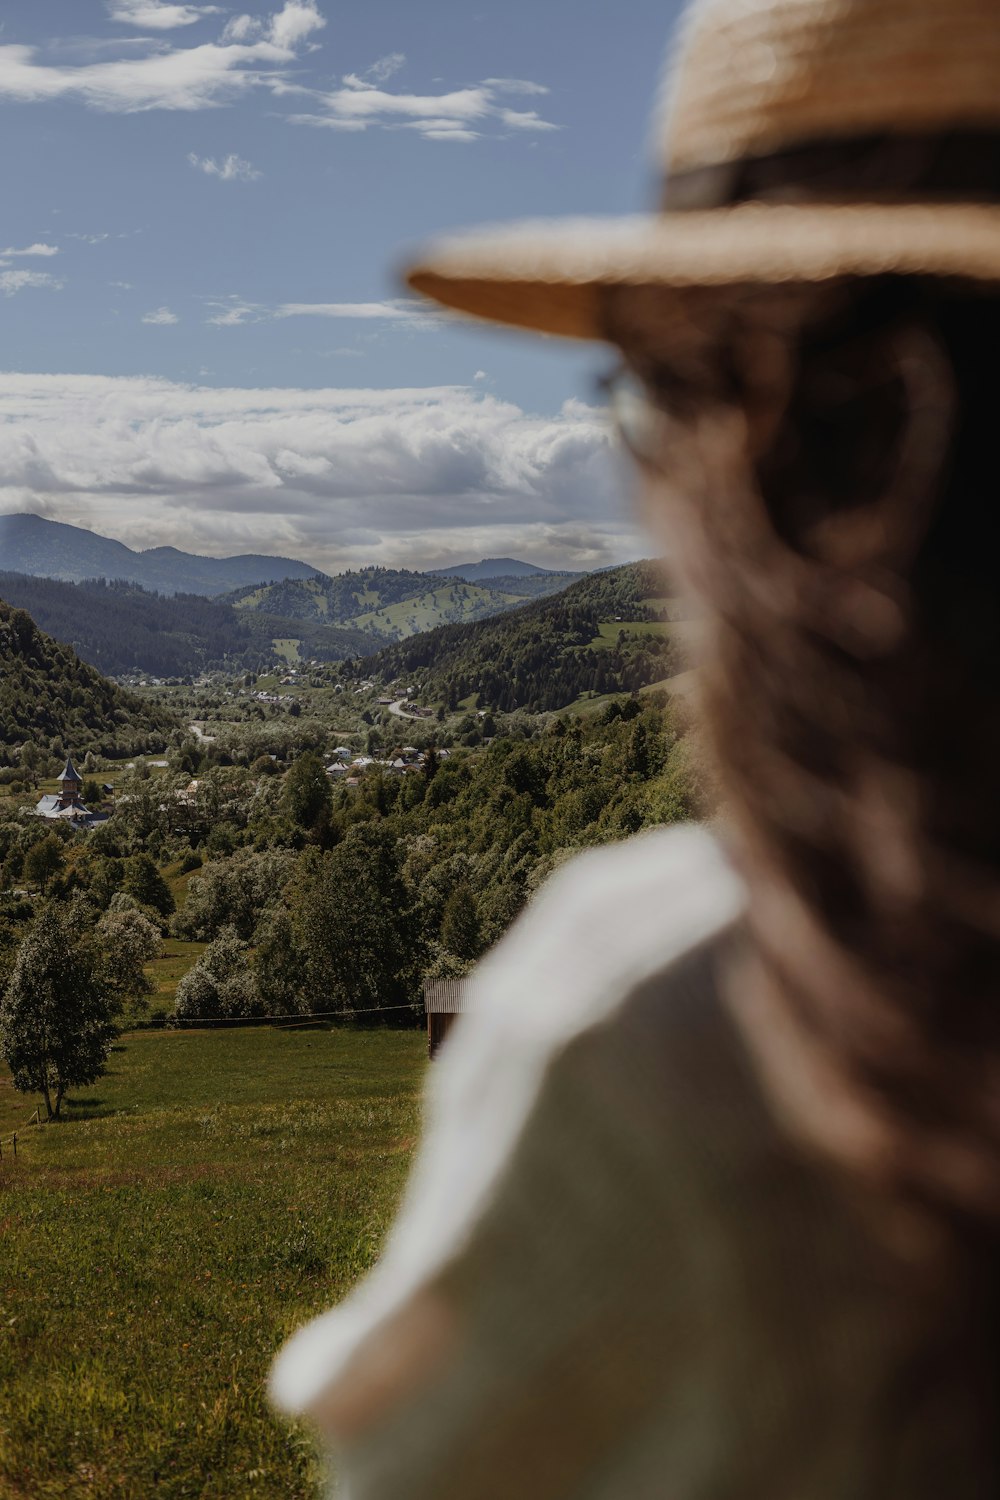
(601, 928)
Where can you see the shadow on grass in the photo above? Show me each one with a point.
(88, 1107)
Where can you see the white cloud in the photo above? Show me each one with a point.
(395, 310)
(12, 282)
(297, 20)
(37, 249)
(233, 312)
(161, 317)
(338, 476)
(157, 15)
(231, 168)
(480, 375)
(384, 67)
(515, 86)
(173, 78)
(289, 27)
(458, 115)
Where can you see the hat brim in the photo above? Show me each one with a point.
(548, 275)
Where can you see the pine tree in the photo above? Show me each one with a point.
(307, 791)
(144, 883)
(460, 931)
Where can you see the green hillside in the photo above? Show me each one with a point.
(609, 632)
(394, 603)
(48, 695)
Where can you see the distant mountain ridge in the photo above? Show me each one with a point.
(492, 567)
(53, 549)
(395, 603)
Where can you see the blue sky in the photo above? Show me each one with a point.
(203, 339)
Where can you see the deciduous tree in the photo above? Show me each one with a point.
(56, 1019)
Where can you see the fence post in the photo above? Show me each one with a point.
(14, 1139)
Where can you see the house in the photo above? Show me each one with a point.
(342, 752)
(66, 805)
(444, 1001)
(336, 770)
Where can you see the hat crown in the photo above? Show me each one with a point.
(751, 77)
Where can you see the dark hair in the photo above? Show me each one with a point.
(837, 523)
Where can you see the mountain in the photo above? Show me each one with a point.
(609, 632)
(52, 549)
(489, 568)
(47, 695)
(393, 603)
(119, 628)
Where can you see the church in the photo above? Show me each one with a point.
(66, 805)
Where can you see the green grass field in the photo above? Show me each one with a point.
(609, 631)
(176, 958)
(422, 612)
(210, 1193)
(288, 648)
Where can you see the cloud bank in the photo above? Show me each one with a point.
(339, 477)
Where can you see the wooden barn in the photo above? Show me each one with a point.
(444, 1001)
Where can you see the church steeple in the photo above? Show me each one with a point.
(70, 784)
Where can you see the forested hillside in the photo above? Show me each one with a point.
(609, 632)
(393, 603)
(120, 628)
(50, 698)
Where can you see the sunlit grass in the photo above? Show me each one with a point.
(213, 1190)
(176, 958)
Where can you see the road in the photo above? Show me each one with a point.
(397, 709)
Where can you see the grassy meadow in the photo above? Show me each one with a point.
(198, 1203)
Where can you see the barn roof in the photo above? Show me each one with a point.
(448, 997)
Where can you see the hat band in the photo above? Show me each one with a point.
(936, 167)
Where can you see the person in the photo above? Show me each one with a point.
(708, 1203)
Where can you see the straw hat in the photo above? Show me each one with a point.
(758, 92)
